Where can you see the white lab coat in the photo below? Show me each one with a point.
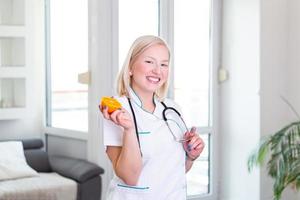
(163, 172)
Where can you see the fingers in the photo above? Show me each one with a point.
(194, 143)
(195, 147)
(190, 138)
(198, 144)
(120, 116)
(106, 115)
(116, 116)
(104, 111)
(193, 129)
(189, 135)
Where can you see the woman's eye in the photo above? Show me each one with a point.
(164, 65)
(149, 61)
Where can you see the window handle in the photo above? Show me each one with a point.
(222, 75)
(84, 78)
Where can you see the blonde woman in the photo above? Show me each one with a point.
(142, 138)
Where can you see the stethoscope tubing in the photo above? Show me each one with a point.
(176, 111)
(164, 118)
(135, 124)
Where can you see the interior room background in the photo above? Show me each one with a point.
(255, 42)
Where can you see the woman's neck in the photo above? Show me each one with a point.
(146, 99)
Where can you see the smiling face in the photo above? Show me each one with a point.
(150, 70)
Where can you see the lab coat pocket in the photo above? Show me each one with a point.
(146, 143)
(133, 192)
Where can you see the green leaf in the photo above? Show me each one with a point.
(283, 162)
(258, 156)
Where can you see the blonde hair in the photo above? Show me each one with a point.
(138, 47)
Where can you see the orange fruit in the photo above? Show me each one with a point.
(111, 103)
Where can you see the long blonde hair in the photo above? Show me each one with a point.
(137, 48)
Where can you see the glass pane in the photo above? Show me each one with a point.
(198, 176)
(191, 59)
(12, 93)
(136, 18)
(68, 58)
(192, 79)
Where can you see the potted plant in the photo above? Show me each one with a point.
(282, 152)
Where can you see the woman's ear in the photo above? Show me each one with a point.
(130, 73)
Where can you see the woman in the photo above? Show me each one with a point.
(149, 163)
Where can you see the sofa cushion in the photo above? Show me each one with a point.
(32, 144)
(76, 169)
(12, 161)
(38, 160)
(47, 186)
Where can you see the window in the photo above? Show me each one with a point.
(192, 64)
(184, 24)
(136, 18)
(67, 56)
(192, 80)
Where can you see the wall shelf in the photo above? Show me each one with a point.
(14, 71)
(12, 113)
(12, 31)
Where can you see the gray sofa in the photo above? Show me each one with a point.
(86, 174)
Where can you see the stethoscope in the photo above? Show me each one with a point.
(164, 115)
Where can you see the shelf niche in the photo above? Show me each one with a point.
(12, 12)
(12, 93)
(12, 51)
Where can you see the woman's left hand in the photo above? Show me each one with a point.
(194, 144)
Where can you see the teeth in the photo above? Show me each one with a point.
(153, 79)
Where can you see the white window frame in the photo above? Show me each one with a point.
(167, 30)
(103, 65)
(49, 130)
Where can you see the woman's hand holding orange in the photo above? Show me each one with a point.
(120, 117)
(194, 144)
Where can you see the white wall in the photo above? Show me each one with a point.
(273, 74)
(278, 73)
(293, 65)
(31, 126)
(239, 99)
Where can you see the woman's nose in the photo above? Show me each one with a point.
(156, 69)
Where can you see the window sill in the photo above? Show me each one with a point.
(66, 133)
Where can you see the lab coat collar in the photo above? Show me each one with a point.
(134, 96)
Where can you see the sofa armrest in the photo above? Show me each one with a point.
(76, 169)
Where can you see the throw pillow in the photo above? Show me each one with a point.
(13, 164)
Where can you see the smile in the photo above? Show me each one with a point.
(153, 79)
